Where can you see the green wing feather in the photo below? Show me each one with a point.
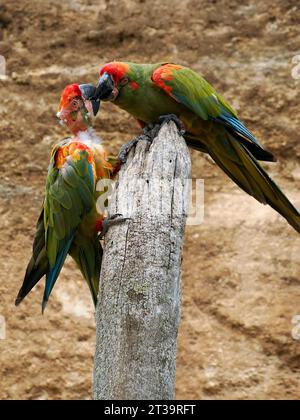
(193, 91)
(69, 199)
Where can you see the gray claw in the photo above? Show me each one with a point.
(126, 148)
(148, 128)
(111, 221)
(149, 134)
(172, 117)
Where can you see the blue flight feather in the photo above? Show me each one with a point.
(91, 176)
(237, 126)
(54, 272)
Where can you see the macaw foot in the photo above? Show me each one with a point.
(126, 148)
(148, 128)
(149, 134)
(172, 117)
(111, 221)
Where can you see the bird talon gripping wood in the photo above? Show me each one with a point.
(164, 119)
(111, 221)
(126, 148)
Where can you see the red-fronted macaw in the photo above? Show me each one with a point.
(69, 222)
(149, 91)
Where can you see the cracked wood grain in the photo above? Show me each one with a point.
(138, 310)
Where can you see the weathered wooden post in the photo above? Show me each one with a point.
(139, 300)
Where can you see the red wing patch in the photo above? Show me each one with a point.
(134, 85)
(164, 74)
(99, 224)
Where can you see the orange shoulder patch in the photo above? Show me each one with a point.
(61, 156)
(164, 74)
(73, 150)
(96, 157)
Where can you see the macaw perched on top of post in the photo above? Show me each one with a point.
(69, 222)
(150, 91)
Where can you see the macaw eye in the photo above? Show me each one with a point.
(75, 103)
(124, 81)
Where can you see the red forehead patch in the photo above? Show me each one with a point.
(116, 69)
(69, 92)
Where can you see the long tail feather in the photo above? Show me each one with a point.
(87, 253)
(53, 274)
(242, 167)
(195, 143)
(35, 271)
(38, 265)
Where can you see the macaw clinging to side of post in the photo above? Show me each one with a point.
(69, 222)
(150, 91)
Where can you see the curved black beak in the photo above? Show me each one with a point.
(106, 88)
(96, 106)
(89, 93)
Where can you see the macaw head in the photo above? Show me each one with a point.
(75, 109)
(113, 78)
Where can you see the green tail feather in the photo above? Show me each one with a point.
(195, 143)
(87, 253)
(241, 166)
(38, 265)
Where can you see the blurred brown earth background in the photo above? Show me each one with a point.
(241, 272)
